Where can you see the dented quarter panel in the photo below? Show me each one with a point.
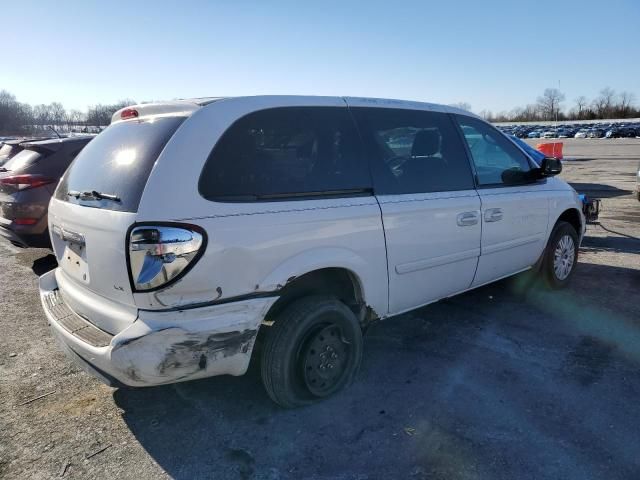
(261, 251)
(174, 355)
(166, 347)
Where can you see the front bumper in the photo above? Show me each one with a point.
(158, 347)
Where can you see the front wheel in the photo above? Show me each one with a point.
(312, 351)
(561, 256)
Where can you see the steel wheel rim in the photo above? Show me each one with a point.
(325, 358)
(564, 257)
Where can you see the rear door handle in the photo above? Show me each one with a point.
(466, 219)
(493, 215)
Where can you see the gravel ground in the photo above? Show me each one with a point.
(508, 381)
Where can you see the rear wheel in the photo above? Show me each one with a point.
(561, 256)
(312, 351)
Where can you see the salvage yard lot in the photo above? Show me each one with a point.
(508, 381)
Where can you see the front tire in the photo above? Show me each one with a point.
(561, 256)
(312, 351)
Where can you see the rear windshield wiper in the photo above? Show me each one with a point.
(92, 195)
(2, 169)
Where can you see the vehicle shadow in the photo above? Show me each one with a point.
(443, 392)
(44, 264)
(610, 244)
(599, 190)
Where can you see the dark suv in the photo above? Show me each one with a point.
(27, 182)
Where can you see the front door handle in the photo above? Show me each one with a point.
(466, 219)
(493, 215)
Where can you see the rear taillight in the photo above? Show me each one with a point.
(159, 255)
(23, 182)
(25, 221)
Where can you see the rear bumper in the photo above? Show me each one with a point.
(158, 347)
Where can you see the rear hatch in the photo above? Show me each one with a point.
(93, 208)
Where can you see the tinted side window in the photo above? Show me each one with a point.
(414, 151)
(493, 154)
(286, 153)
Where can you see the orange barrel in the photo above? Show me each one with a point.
(553, 150)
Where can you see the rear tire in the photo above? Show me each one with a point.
(561, 256)
(312, 351)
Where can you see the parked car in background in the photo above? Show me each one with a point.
(596, 133)
(27, 182)
(613, 133)
(304, 218)
(534, 134)
(582, 133)
(566, 133)
(549, 134)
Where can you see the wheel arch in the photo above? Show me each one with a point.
(341, 282)
(319, 266)
(573, 217)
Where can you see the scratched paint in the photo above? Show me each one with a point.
(174, 354)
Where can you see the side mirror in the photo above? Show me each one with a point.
(514, 176)
(550, 167)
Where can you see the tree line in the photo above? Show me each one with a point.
(608, 104)
(18, 118)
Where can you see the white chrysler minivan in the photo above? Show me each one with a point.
(185, 228)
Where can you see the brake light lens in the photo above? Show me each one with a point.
(129, 113)
(159, 255)
(24, 182)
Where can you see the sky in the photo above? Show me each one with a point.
(494, 55)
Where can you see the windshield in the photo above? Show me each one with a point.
(117, 164)
(22, 160)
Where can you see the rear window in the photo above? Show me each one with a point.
(117, 162)
(5, 150)
(287, 153)
(22, 160)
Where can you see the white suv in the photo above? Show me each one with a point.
(186, 228)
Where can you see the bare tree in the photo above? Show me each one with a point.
(581, 104)
(74, 118)
(625, 101)
(58, 113)
(8, 110)
(603, 103)
(549, 103)
(41, 115)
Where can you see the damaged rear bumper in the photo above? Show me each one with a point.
(159, 347)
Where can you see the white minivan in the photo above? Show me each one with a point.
(186, 229)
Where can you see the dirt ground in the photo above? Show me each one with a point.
(505, 382)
